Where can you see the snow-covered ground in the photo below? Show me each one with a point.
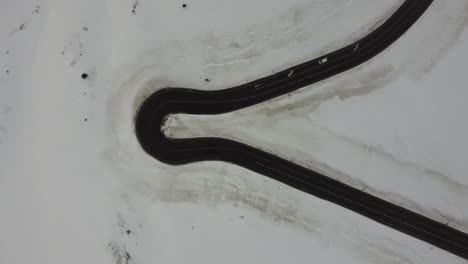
(76, 187)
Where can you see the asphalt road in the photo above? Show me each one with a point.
(163, 102)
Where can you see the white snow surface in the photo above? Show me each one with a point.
(76, 187)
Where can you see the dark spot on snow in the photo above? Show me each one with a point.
(135, 4)
(84, 76)
(84, 93)
(86, 119)
(7, 71)
(127, 257)
(193, 227)
(81, 54)
(7, 52)
(184, 5)
(85, 29)
(21, 27)
(36, 9)
(207, 80)
(241, 217)
(129, 232)
(121, 256)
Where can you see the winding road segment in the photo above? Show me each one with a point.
(153, 112)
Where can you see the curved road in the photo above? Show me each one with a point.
(167, 101)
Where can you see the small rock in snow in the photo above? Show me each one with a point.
(36, 9)
(135, 4)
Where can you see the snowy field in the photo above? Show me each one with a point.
(75, 186)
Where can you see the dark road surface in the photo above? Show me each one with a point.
(167, 101)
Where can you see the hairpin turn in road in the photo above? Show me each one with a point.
(163, 102)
